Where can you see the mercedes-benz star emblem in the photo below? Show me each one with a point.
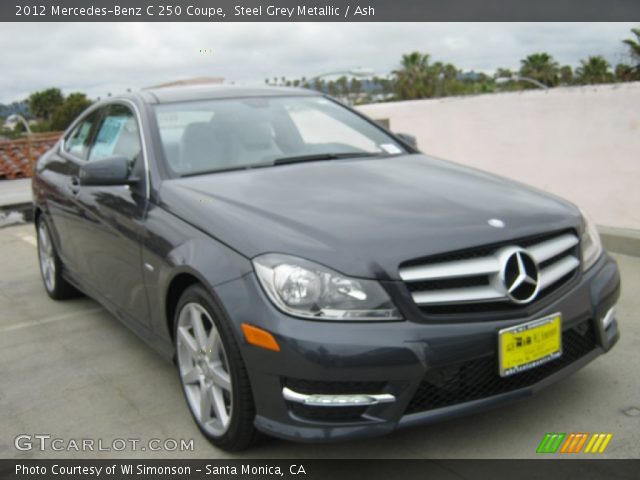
(521, 276)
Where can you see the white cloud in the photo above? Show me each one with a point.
(109, 57)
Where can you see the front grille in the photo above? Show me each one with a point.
(479, 378)
(330, 414)
(469, 281)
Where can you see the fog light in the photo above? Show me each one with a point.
(348, 400)
(608, 319)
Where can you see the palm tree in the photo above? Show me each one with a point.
(594, 70)
(626, 73)
(566, 75)
(541, 67)
(634, 46)
(411, 78)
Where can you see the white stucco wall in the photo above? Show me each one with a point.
(582, 143)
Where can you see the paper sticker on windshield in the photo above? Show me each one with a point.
(390, 148)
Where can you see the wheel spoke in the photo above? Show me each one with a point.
(198, 327)
(219, 406)
(43, 239)
(205, 404)
(191, 376)
(220, 377)
(185, 339)
(213, 344)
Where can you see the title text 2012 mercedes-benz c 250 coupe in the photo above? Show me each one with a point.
(314, 276)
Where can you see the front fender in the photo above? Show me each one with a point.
(172, 250)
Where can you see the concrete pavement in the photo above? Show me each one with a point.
(71, 370)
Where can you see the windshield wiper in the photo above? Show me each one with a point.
(322, 156)
(288, 160)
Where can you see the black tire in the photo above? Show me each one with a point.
(57, 288)
(240, 433)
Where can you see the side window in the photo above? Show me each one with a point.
(77, 142)
(117, 134)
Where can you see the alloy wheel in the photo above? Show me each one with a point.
(204, 369)
(47, 260)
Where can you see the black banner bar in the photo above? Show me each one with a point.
(317, 10)
(299, 469)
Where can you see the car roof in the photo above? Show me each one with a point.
(190, 93)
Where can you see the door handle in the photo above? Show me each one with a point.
(74, 185)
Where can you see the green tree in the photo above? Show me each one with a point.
(566, 75)
(411, 80)
(65, 113)
(42, 104)
(355, 87)
(503, 73)
(332, 88)
(541, 67)
(626, 73)
(634, 46)
(343, 87)
(594, 70)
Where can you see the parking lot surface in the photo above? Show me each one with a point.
(72, 371)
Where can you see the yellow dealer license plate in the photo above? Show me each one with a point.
(529, 345)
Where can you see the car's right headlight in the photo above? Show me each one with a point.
(305, 289)
(590, 243)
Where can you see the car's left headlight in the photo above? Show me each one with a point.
(590, 242)
(305, 289)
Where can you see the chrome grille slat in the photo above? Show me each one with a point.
(557, 270)
(458, 295)
(463, 268)
(478, 279)
(554, 247)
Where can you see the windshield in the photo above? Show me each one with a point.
(212, 135)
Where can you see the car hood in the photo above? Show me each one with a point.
(362, 217)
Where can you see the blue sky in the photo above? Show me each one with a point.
(110, 57)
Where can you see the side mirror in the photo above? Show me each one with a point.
(107, 171)
(407, 138)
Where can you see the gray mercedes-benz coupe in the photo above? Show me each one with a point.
(314, 276)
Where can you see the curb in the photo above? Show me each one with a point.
(620, 240)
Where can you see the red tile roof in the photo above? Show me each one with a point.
(14, 154)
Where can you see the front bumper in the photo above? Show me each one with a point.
(433, 371)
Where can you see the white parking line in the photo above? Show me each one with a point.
(30, 239)
(57, 318)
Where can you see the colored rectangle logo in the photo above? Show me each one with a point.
(574, 443)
